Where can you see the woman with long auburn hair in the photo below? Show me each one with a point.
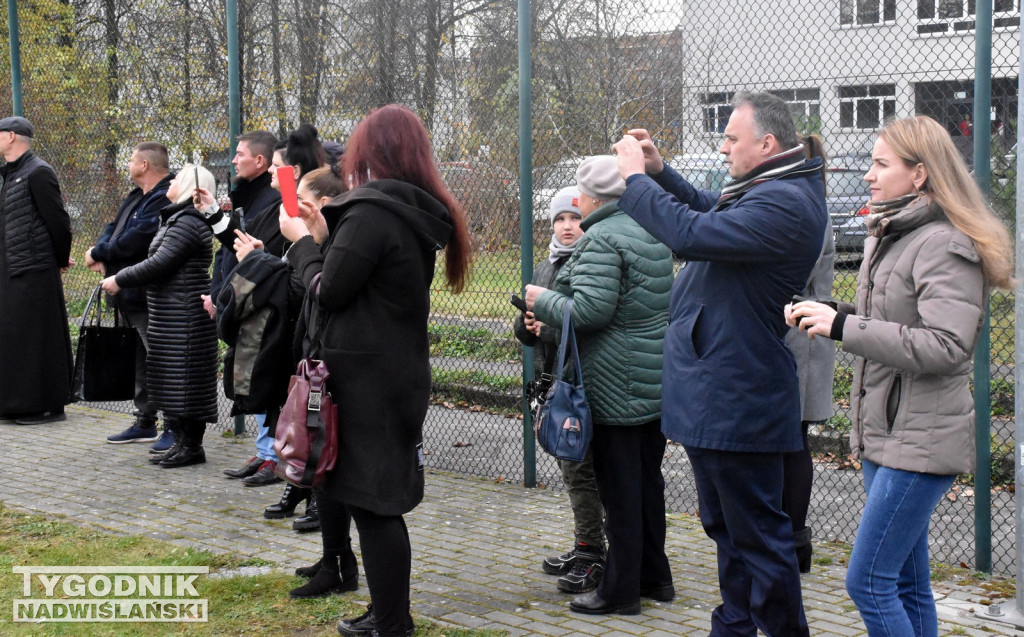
(372, 304)
(934, 248)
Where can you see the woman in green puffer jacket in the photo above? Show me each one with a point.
(619, 278)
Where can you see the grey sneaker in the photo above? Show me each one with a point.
(586, 573)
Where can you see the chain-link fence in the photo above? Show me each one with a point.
(101, 75)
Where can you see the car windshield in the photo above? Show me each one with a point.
(704, 178)
(847, 183)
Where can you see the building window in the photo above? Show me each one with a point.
(866, 107)
(857, 12)
(805, 104)
(952, 16)
(717, 110)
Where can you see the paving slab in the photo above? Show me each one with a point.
(477, 542)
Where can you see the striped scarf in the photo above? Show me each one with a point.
(784, 164)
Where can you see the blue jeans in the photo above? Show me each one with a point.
(888, 578)
(264, 443)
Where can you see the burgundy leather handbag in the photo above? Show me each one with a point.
(306, 439)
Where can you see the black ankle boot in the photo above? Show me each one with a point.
(285, 508)
(308, 571)
(310, 521)
(803, 549)
(326, 581)
(191, 450)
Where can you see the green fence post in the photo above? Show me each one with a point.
(982, 355)
(12, 30)
(234, 116)
(526, 227)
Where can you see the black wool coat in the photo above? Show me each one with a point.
(181, 363)
(375, 288)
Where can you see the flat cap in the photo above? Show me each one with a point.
(598, 177)
(17, 125)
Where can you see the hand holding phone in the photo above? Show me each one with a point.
(519, 303)
(286, 181)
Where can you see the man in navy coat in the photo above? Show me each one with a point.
(730, 392)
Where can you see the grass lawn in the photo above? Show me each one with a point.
(238, 605)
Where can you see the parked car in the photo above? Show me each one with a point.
(707, 172)
(490, 196)
(846, 196)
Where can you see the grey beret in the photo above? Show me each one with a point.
(598, 177)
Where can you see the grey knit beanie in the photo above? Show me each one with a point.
(565, 200)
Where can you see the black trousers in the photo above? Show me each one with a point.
(387, 561)
(627, 465)
(740, 499)
(336, 534)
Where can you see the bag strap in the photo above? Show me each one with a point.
(569, 342)
(317, 376)
(96, 294)
(316, 330)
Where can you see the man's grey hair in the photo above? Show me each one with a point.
(23, 139)
(771, 115)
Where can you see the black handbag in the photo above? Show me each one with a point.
(564, 425)
(105, 357)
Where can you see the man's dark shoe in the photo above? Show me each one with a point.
(140, 431)
(325, 582)
(285, 508)
(362, 625)
(310, 521)
(41, 419)
(586, 573)
(164, 442)
(592, 604)
(659, 593)
(251, 466)
(264, 476)
(187, 455)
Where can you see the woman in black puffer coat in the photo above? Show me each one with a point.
(182, 358)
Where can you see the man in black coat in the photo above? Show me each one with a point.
(124, 242)
(35, 246)
(254, 204)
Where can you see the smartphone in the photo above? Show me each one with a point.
(195, 172)
(286, 182)
(519, 303)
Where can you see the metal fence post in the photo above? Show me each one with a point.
(526, 227)
(982, 354)
(234, 96)
(1018, 354)
(234, 118)
(12, 29)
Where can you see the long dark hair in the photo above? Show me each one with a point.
(392, 143)
(815, 147)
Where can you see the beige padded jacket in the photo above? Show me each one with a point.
(920, 296)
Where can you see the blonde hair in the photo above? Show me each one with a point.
(186, 181)
(922, 140)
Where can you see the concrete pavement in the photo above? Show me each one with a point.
(477, 543)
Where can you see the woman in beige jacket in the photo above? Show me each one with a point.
(933, 249)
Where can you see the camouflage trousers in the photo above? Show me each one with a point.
(587, 511)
